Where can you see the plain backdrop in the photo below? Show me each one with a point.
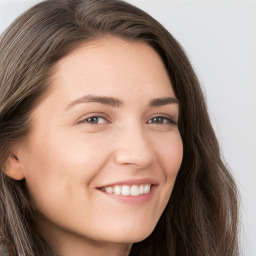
(220, 40)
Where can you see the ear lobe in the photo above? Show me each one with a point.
(13, 168)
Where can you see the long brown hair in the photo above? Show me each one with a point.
(201, 216)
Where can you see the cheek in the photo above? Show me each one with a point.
(170, 153)
(54, 163)
(175, 156)
(170, 158)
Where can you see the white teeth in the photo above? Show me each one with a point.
(146, 189)
(135, 190)
(109, 189)
(126, 190)
(141, 189)
(117, 190)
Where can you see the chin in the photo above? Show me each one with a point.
(132, 236)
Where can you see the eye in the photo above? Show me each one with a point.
(94, 120)
(161, 120)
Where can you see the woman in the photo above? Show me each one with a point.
(106, 145)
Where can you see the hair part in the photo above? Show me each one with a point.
(201, 217)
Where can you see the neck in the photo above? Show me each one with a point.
(100, 250)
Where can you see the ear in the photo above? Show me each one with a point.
(13, 168)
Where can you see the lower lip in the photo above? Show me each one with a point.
(132, 199)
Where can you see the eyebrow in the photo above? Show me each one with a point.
(163, 101)
(114, 102)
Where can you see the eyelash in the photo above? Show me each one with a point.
(169, 120)
(92, 117)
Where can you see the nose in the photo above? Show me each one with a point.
(133, 147)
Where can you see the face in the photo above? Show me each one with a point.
(104, 150)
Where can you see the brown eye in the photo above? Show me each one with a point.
(158, 120)
(95, 120)
(161, 120)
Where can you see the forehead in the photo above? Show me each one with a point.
(112, 63)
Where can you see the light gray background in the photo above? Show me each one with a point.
(220, 39)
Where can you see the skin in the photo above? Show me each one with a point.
(65, 160)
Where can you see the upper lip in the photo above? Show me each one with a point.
(132, 182)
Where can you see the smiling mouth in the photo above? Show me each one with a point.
(128, 190)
